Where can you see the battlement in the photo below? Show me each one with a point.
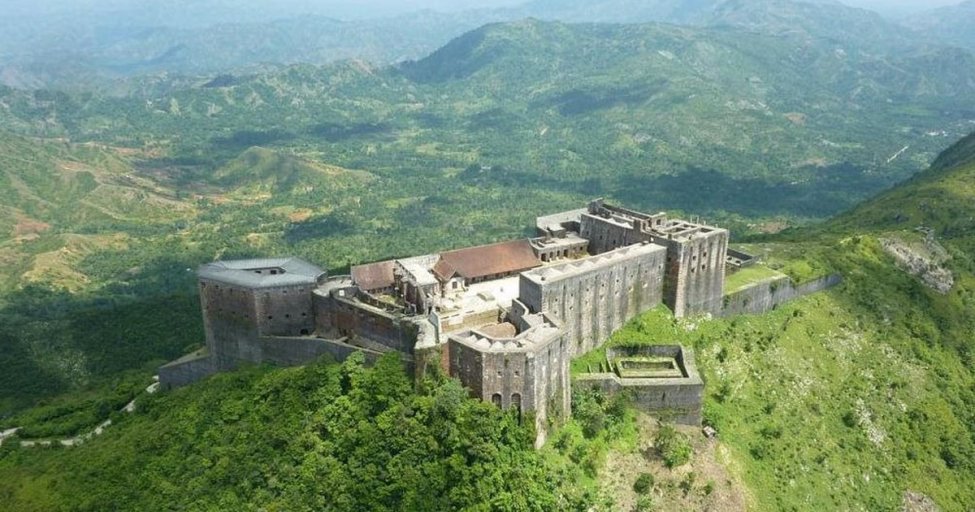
(579, 267)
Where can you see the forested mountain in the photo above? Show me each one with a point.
(630, 106)
(951, 25)
(86, 50)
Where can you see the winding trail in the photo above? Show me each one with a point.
(81, 438)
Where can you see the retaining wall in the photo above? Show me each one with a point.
(767, 295)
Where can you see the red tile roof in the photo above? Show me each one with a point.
(487, 260)
(374, 276)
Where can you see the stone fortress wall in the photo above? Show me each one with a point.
(769, 294)
(505, 319)
(595, 296)
(526, 369)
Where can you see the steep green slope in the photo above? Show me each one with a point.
(324, 437)
(939, 198)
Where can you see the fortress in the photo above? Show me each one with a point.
(505, 319)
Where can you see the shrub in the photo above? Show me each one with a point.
(644, 503)
(643, 483)
(674, 447)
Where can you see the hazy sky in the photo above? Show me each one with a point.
(900, 5)
(204, 10)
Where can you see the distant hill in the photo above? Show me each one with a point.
(94, 52)
(941, 198)
(952, 24)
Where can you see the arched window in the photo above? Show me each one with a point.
(516, 403)
(496, 399)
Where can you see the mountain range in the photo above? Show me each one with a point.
(92, 52)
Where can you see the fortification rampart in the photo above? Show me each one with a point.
(341, 312)
(187, 369)
(590, 271)
(295, 350)
(595, 296)
(526, 371)
(767, 295)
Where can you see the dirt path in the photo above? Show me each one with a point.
(79, 439)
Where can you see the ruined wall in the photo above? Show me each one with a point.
(769, 294)
(351, 318)
(593, 304)
(674, 400)
(604, 235)
(230, 322)
(458, 322)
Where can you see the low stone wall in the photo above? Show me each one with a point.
(186, 370)
(676, 399)
(459, 323)
(672, 400)
(766, 295)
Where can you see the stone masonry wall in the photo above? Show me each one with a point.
(186, 370)
(769, 294)
(670, 399)
(352, 318)
(593, 304)
(535, 381)
(290, 351)
(695, 273)
(285, 310)
(230, 323)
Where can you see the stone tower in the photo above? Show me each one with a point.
(244, 300)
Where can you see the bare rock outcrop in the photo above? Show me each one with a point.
(924, 261)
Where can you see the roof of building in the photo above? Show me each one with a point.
(374, 276)
(487, 260)
(262, 272)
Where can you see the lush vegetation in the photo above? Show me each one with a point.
(842, 400)
(327, 436)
